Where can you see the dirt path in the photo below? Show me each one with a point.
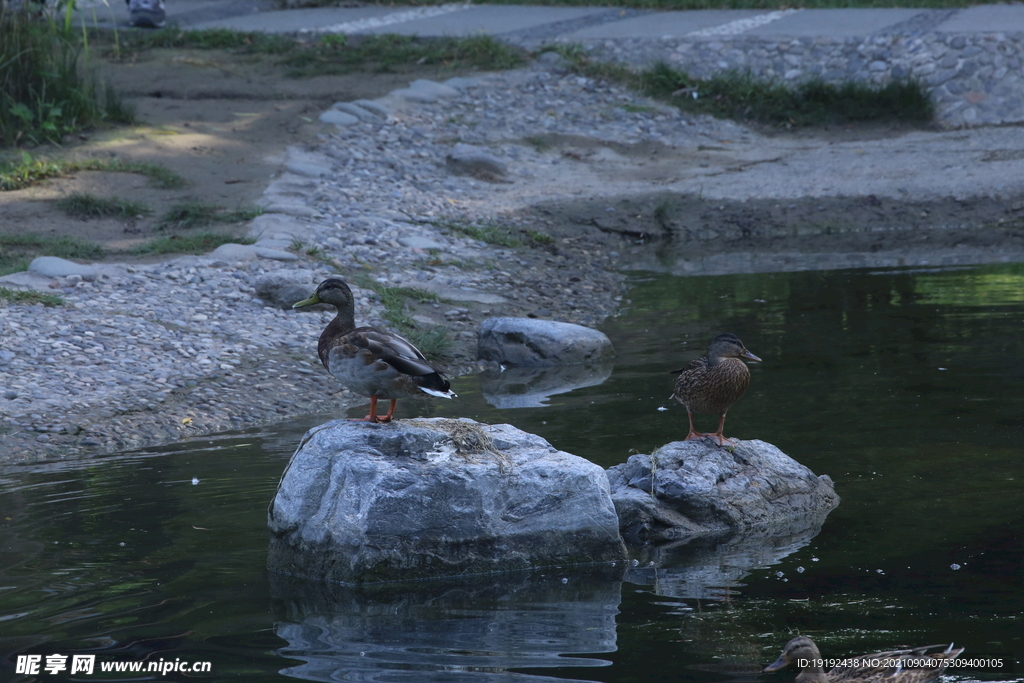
(220, 120)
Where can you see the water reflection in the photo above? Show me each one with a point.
(713, 567)
(476, 628)
(907, 388)
(531, 387)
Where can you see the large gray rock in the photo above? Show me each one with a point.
(53, 266)
(285, 286)
(477, 162)
(541, 343)
(362, 503)
(698, 487)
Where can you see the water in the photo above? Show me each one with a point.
(907, 387)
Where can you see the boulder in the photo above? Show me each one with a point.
(339, 118)
(412, 499)
(53, 266)
(283, 287)
(477, 162)
(541, 343)
(698, 487)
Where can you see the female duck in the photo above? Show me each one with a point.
(370, 361)
(916, 665)
(714, 382)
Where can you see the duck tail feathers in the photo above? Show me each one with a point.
(440, 394)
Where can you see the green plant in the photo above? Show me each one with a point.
(389, 52)
(27, 171)
(539, 237)
(741, 95)
(16, 296)
(83, 205)
(491, 233)
(16, 251)
(200, 214)
(45, 91)
(197, 243)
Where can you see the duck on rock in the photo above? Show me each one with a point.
(370, 361)
(914, 665)
(714, 382)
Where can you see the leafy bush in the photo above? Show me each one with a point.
(45, 92)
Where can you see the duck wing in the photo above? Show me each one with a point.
(393, 349)
(914, 665)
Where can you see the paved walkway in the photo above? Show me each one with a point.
(562, 23)
(971, 59)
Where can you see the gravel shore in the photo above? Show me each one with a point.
(140, 355)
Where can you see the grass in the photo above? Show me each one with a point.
(743, 96)
(197, 243)
(200, 214)
(15, 296)
(17, 251)
(330, 53)
(45, 90)
(498, 234)
(338, 54)
(27, 171)
(491, 233)
(85, 206)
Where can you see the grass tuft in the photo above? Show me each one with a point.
(17, 251)
(743, 96)
(45, 92)
(17, 296)
(491, 233)
(197, 243)
(85, 206)
(28, 171)
(393, 53)
(199, 214)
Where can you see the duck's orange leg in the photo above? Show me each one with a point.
(391, 412)
(717, 436)
(372, 417)
(693, 434)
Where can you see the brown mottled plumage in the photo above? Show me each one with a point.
(370, 361)
(896, 666)
(714, 382)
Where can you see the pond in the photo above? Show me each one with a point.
(905, 386)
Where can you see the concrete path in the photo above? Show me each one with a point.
(971, 60)
(563, 23)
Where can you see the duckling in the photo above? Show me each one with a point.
(915, 665)
(370, 361)
(714, 382)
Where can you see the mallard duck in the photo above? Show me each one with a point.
(714, 382)
(370, 361)
(915, 665)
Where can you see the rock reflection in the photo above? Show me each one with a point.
(475, 629)
(712, 567)
(521, 387)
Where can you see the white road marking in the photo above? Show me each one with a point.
(741, 25)
(389, 19)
